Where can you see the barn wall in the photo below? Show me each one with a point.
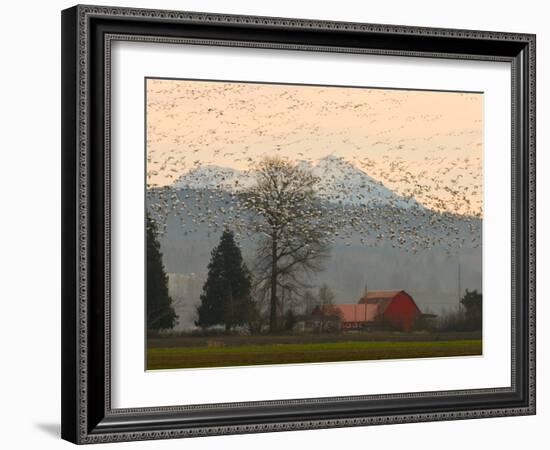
(402, 312)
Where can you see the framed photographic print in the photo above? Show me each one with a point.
(279, 224)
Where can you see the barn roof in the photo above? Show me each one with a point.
(357, 313)
(380, 303)
(381, 294)
(381, 298)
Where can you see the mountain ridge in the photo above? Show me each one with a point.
(339, 182)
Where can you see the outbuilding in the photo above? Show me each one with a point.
(394, 307)
(376, 308)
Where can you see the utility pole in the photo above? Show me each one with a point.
(459, 287)
(282, 304)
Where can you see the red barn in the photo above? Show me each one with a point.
(395, 307)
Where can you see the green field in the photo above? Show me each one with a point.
(216, 352)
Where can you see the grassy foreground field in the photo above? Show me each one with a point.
(219, 354)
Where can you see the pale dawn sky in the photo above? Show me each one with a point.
(425, 142)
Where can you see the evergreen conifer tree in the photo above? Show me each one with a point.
(226, 296)
(160, 312)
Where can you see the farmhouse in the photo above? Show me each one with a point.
(395, 308)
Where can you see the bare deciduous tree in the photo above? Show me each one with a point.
(289, 220)
(326, 296)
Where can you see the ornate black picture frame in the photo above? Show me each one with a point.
(87, 34)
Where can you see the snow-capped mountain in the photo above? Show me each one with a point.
(339, 182)
(342, 182)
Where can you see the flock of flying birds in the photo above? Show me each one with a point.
(374, 197)
(352, 208)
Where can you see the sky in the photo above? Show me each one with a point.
(426, 142)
